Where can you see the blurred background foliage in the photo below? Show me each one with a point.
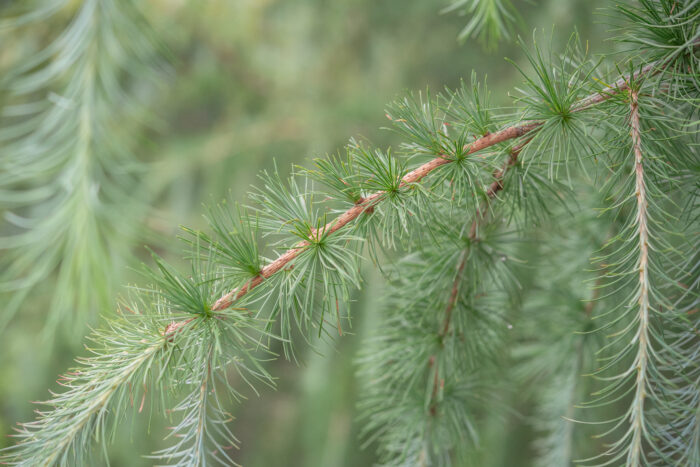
(249, 82)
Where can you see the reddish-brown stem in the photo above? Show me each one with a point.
(174, 327)
(354, 212)
(416, 175)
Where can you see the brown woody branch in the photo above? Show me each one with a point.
(368, 202)
(416, 175)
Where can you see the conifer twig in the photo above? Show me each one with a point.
(66, 156)
(416, 175)
(495, 187)
(351, 214)
(642, 337)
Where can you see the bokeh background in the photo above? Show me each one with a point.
(246, 83)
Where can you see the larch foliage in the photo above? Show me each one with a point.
(550, 245)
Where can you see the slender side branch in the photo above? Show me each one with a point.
(453, 294)
(642, 359)
(101, 387)
(94, 410)
(491, 192)
(621, 85)
(495, 187)
(432, 361)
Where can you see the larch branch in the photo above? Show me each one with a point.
(416, 175)
(641, 361)
(354, 212)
